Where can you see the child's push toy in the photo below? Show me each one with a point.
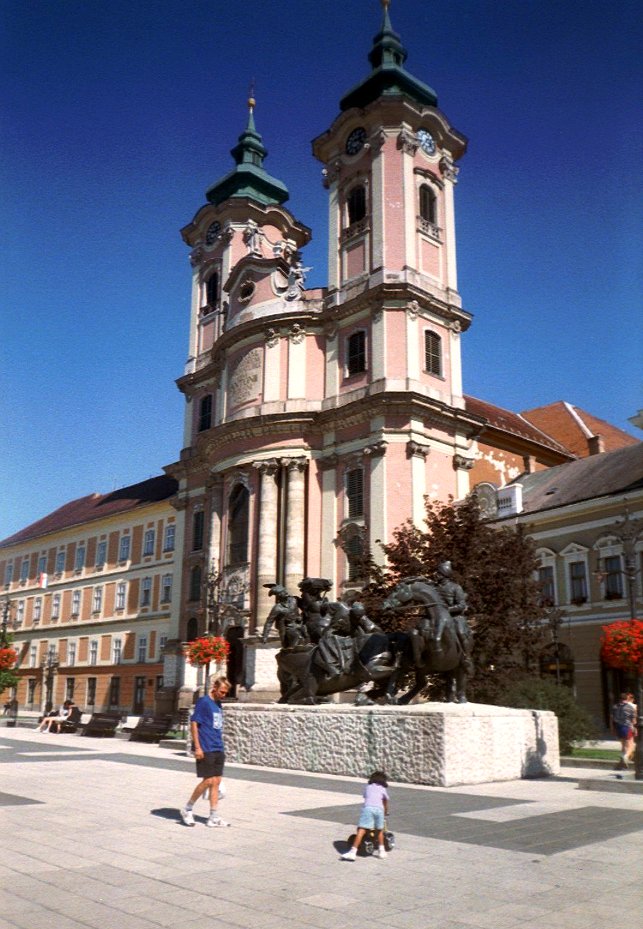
(369, 843)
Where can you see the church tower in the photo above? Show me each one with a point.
(393, 359)
(317, 420)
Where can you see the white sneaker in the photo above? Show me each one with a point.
(187, 817)
(380, 853)
(215, 822)
(350, 855)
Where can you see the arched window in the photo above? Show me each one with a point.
(195, 583)
(356, 204)
(238, 520)
(432, 353)
(356, 353)
(192, 631)
(205, 413)
(212, 291)
(428, 204)
(355, 492)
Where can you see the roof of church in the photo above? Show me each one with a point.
(97, 506)
(249, 178)
(573, 427)
(513, 424)
(604, 475)
(388, 77)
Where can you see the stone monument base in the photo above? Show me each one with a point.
(439, 744)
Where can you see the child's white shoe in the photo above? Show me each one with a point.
(380, 853)
(350, 855)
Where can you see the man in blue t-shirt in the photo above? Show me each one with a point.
(206, 727)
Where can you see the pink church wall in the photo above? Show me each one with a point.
(355, 259)
(283, 369)
(399, 488)
(315, 367)
(430, 258)
(313, 521)
(440, 476)
(395, 344)
(207, 336)
(394, 224)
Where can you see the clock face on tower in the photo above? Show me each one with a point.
(355, 141)
(426, 140)
(211, 235)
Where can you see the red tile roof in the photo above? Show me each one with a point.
(514, 424)
(97, 506)
(574, 427)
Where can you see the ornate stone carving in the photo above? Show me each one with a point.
(179, 502)
(295, 464)
(252, 236)
(448, 169)
(268, 466)
(407, 142)
(454, 325)
(461, 463)
(245, 378)
(413, 309)
(272, 338)
(227, 235)
(297, 334)
(416, 448)
(196, 256)
(375, 450)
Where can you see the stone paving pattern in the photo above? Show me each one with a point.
(91, 837)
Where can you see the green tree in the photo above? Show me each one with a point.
(496, 566)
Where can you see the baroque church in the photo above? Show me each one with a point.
(316, 420)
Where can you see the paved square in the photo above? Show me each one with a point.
(91, 838)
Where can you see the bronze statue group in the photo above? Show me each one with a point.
(328, 646)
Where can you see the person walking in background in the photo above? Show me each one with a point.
(374, 810)
(206, 727)
(624, 726)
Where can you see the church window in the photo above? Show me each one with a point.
(354, 549)
(205, 413)
(212, 291)
(356, 204)
(355, 492)
(578, 582)
(194, 592)
(238, 522)
(198, 524)
(356, 353)
(547, 588)
(192, 629)
(433, 353)
(428, 204)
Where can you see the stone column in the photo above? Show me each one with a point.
(215, 486)
(267, 544)
(295, 523)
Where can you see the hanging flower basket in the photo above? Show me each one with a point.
(207, 649)
(622, 645)
(8, 658)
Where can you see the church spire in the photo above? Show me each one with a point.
(388, 77)
(249, 178)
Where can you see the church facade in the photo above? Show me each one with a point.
(318, 420)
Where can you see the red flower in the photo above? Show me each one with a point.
(8, 658)
(206, 649)
(622, 645)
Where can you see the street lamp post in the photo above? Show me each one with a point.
(48, 667)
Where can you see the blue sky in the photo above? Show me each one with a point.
(118, 115)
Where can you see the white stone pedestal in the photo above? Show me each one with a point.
(260, 671)
(440, 744)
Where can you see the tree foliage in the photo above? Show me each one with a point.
(496, 566)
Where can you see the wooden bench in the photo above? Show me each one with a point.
(102, 725)
(73, 721)
(151, 729)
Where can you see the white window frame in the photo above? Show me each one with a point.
(121, 595)
(60, 562)
(92, 657)
(124, 548)
(33, 656)
(572, 553)
(72, 651)
(20, 612)
(166, 588)
(146, 591)
(117, 650)
(97, 600)
(149, 541)
(76, 601)
(37, 610)
(8, 573)
(80, 556)
(141, 649)
(101, 553)
(55, 606)
(42, 565)
(169, 537)
(24, 570)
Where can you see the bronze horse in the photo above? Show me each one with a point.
(444, 656)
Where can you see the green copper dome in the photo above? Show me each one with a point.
(249, 179)
(388, 77)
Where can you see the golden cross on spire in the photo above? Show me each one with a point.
(251, 95)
